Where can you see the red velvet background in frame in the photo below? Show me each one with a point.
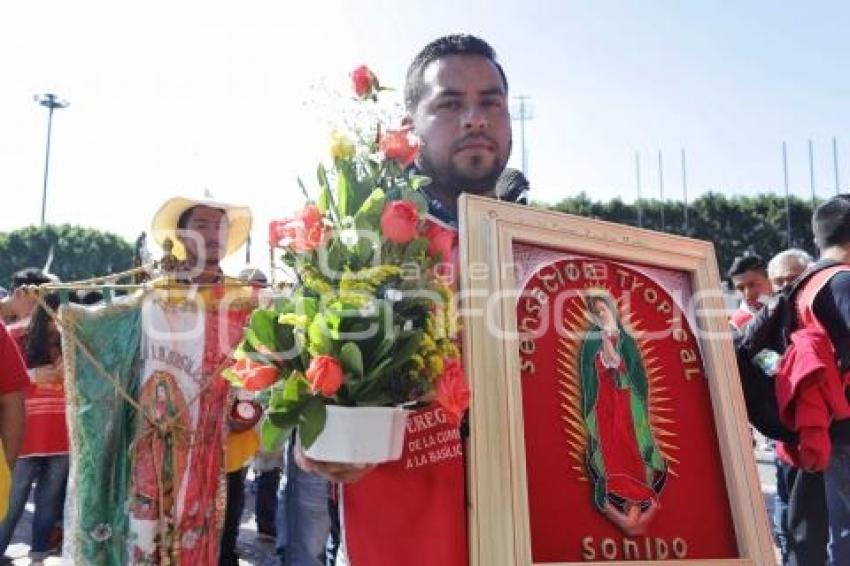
(622, 456)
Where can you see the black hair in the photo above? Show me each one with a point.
(253, 276)
(38, 334)
(183, 219)
(457, 44)
(29, 276)
(742, 264)
(831, 222)
(89, 297)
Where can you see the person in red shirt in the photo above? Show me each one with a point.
(413, 511)
(43, 456)
(749, 277)
(13, 383)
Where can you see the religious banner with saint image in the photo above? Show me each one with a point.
(619, 430)
(147, 413)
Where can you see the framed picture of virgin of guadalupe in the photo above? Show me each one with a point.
(607, 422)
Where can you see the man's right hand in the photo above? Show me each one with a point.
(334, 471)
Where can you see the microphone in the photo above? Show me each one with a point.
(512, 186)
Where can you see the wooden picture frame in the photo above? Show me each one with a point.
(497, 479)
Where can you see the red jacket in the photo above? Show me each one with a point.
(809, 385)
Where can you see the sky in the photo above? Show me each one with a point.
(179, 98)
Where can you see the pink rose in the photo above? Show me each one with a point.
(364, 82)
(400, 221)
(399, 145)
(324, 375)
(304, 233)
(277, 231)
(452, 391)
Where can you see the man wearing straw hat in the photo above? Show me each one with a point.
(200, 234)
(149, 410)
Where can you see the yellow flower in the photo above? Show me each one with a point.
(435, 365)
(293, 319)
(341, 146)
(367, 280)
(427, 344)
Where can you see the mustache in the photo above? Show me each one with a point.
(474, 138)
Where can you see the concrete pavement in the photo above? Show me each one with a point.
(256, 551)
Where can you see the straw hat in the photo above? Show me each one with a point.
(164, 225)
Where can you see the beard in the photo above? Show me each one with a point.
(452, 179)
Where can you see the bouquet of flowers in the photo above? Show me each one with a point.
(371, 322)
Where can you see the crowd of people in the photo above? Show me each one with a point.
(456, 98)
(812, 503)
(293, 508)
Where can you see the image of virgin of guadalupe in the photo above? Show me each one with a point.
(159, 456)
(624, 464)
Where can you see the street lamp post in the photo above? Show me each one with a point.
(51, 102)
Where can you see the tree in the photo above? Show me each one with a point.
(736, 225)
(78, 253)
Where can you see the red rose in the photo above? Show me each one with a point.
(399, 145)
(400, 221)
(452, 391)
(441, 241)
(324, 375)
(363, 81)
(254, 375)
(304, 233)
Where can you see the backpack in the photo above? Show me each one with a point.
(767, 337)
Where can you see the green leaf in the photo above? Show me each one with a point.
(277, 398)
(405, 350)
(248, 350)
(286, 341)
(231, 376)
(416, 248)
(368, 216)
(304, 190)
(311, 421)
(271, 435)
(242, 349)
(325, 195)
(262, 329)
(345, 189)
(377, 370)
(283, 305)
(284, 419)
(306, 305)
(294, 388)
(336, 256)
(351, 358)
(419, 181)
(383, 349)
(365, 249)
(319, 337)
(333, 319)
(416, 198)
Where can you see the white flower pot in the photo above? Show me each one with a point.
(360, 435)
